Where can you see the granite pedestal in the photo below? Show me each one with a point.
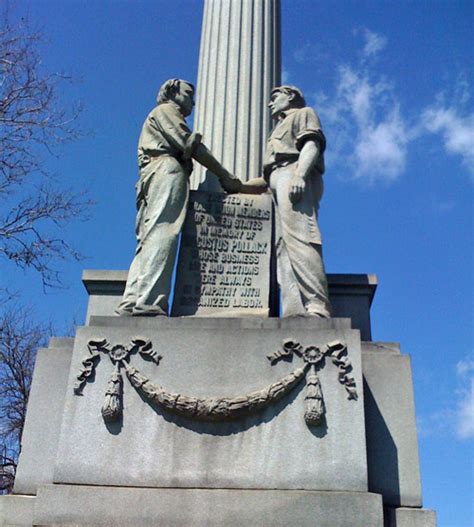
(153, 467)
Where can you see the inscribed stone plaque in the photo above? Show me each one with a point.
(224, 260)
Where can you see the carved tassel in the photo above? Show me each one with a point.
(112, 408)
(314, 403)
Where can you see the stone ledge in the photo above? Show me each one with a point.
(381, 347)
(221, 323)
(101, 282)
(410, 517)
(119, 506)
(351, 296)
(61, 342)
(16, 510)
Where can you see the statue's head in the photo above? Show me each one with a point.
(178, 91)
(285, 97)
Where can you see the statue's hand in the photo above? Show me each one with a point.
(230, 183)
(297, 187)
(256, 185)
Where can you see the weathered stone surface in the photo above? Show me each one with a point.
(271, 449)
(351, 296)
(205, 507)
(392, 444)
(191, 323)
(224, 261)
(43, 418)
(16, 511)
(408, 517)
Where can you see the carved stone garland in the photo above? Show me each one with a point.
(220, 408)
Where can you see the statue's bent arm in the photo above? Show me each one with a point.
(228, 182)
(307, 160)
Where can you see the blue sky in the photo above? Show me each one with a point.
(393, 84)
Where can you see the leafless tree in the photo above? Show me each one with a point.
(33, 206)
(20, 337)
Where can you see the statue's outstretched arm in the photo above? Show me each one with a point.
(227, 180)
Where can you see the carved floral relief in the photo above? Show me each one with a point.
(218, 408)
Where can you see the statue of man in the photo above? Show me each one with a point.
(293, 168)
(165, 149)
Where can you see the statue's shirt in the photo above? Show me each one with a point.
(165, 132)
(293, 129)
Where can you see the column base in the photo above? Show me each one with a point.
(410, 517)
(17, 510)
(120, 506)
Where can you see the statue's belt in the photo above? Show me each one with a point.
(280, 161)
(148, 158)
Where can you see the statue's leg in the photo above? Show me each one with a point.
(129, 298)
(166, 194)
(291, 302)
(301, 237)
(130, 294)
(316, 297)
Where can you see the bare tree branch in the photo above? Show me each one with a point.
(20, 338)
(33, 124)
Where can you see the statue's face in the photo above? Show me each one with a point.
(185, 99)
(280, 102)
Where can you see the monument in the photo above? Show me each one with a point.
(225, 413)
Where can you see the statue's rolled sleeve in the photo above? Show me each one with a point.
(314, 135)
(307, 126)
(192, 143)
(173, 127)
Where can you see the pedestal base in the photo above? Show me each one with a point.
(17, 511)
(86, 505)
(410, 517)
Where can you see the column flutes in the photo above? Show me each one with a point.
(239, 64)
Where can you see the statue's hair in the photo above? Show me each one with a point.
(169, 89)
(298, 97)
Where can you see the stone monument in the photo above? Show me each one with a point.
(224, 414)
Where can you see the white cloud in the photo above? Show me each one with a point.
(312, 52)
(457, 418)
(457, 131)
(381, 151)
(285, 76)
(368, 132)
(465, 367)
(465, 406)
(374, 43)
(442, 205)
(365, 121)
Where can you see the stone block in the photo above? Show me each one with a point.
(43, 418)
(351, 296)
(409, 517)
(84, 505)
(61, 342)
(17, 511)
(224, 257)
(105, 289)
(210, 358)
(392, 443)
(223, 324)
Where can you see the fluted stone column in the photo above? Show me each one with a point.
(239, 64)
